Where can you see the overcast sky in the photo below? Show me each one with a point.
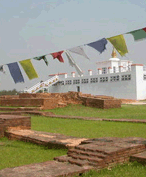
(30, 28)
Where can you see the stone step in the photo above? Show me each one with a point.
(83, 157)
(87, 153)
(91, 148)
(63, 158)
(140, 157)
(78, 162)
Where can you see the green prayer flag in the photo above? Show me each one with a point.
(119, 43)
(29, 69)
(138, 34)
(42, 57)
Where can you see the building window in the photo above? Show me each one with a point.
(103, 79)
(61, 82)
(114, 78)
(84, 81)
(114, 69)
(68, 82)
(93, 80)
(76, 81)
(126, 77)
(104, 70)
(144, 68)
(144, 77)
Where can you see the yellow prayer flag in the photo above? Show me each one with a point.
(29, 69)
(119, 43)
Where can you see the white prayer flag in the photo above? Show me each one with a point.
(72, 63)
(79, 50)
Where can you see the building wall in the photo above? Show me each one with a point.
(140, 83)
(120, 89)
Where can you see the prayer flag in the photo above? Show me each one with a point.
(72, 63)
(79, 50)
(15, 72)
(144, 29)
(42, 57)
(119, 43)
(99, 45)
(139, 34)
(58, 56)
(29, 69)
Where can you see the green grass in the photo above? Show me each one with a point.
(126, 111)
(17, 153)
(88, 129)
(126, 170)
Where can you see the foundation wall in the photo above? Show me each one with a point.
(22, 102)
(54, 100)
(7, 121)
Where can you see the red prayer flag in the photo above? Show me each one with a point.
(58, 56)
(144, 29)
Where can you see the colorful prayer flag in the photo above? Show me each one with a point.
(15, 72)
(99, 45)
(139, 34)
(58, 56)
(79, 50)
(42, 57)
(29, 69)
(119, 43)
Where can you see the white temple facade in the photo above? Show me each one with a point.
(114, 77)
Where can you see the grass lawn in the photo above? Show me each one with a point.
(88, 128)
(126, 170)
(17, 153)
(126, 111)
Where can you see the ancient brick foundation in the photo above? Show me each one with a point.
(54, 100)
(7, 121)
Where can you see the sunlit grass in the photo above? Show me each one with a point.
(126, 170)
(88, 129)
(126, 111)
(17, 153)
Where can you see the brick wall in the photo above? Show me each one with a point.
(31, 102)
(54, 100)
(112, 103)
(6, 121)
(101, 103)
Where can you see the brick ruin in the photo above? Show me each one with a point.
(54, 100)
(7, 121)
(83, 154)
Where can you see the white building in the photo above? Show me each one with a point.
(114, 77)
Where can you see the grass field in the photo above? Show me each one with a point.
(126, 170)
(126, 111)
(16, 153)
(88, 128)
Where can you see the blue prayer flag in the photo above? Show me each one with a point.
(15, 72)
(99, 45)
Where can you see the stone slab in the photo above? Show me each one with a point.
(44, 169)
(44, 138)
